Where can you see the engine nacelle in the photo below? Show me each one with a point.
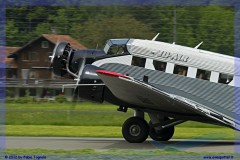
(70, 62)
(73, 63)
(59, 58)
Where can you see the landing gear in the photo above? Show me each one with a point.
(160, 135)
(160, 128)
(135, 130)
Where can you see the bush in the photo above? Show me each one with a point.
(24, 100)
(10, 100)
(60, 99)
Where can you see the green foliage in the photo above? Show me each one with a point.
(74, 114)
(11, 32)
(217, 28)
(24, 99)
(97, 31)
(10, 100)
(93, 25)
(41, 28)
(113, 131)
(60, 99)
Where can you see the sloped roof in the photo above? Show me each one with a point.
(10, 62)
(63, 38)
(53, 38)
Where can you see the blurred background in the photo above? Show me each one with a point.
(92, 26)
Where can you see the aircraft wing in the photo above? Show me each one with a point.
(146, 96)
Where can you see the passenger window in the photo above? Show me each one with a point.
(225, 79)
(161, 66)
(137, 61)
(202, 74)
(180, 70)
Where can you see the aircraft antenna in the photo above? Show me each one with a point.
(154, 38)
(198, 45)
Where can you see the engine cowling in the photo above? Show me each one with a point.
(70, 62)
(59, 58)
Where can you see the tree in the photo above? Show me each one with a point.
(96, 31)
(216, 29)
(11, 32)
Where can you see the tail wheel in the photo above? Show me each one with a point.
(135, 130)
(161, 135)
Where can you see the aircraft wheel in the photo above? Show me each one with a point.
(162, 135)
(135, 130)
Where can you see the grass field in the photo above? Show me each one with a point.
(112, 131)
(88, 120)
(73, 114)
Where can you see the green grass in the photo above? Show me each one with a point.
(88, 120)
(72, 114)
(112, 131)
(69, 114)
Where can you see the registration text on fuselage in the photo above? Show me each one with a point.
(170, 55)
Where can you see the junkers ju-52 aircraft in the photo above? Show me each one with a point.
(171, 83)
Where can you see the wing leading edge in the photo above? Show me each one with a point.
(147, 96)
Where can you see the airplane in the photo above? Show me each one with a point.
(169, 82)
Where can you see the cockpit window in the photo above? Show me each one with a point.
(116, 47)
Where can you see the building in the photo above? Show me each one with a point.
(11, 63)
(28, 68)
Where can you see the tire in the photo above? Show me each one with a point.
(162, 135)
(135, 130)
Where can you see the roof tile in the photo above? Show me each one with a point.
(63, 38)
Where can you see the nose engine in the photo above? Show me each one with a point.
(70, 62)
(66, 61)
(77, 64)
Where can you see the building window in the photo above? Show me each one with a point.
(202, 74)
(45, 44)
(224, 78)
(33, 56)
(160, 66)
(32, 74)
(11, 73)
(25, 56)
(137, 61)
(180, 70)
